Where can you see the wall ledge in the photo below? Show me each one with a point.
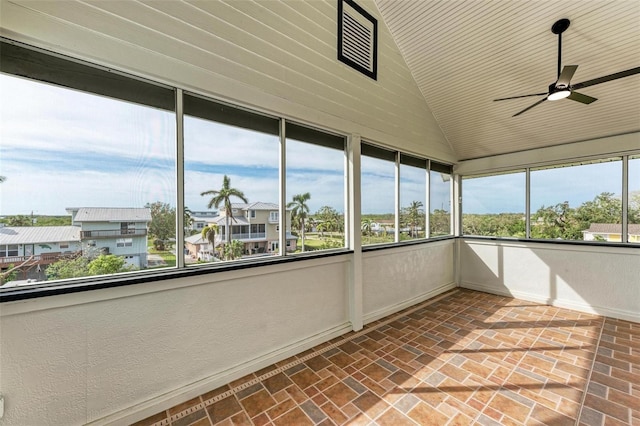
(560, 303)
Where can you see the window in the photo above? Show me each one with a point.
(378, 195)
(241, 160)
(274, 217)
(494, 205)
(440, 188)
(257, 228)
(127, 228)
(8, 250)
(633, 213)
(108, 139)
(124, 242)
(315, 188)
(64, 245)
(413, 193)
(577, 201)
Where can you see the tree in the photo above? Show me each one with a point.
(68, 268)
(209, 234)
(19, 220)
(82, 266)
(223, 197)
(300, 211)
(188, 220)
(163, 223)
(440, 222)
(108, 264)
(233, 250)
(329, 219)
(10, 274)
(605, 208)
(2, 178)
(366, 226)
(413, 216)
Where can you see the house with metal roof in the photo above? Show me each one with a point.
(257, 226)
(611, 232)
(35, 247)
(114, 230)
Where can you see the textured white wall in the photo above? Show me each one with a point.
(124, 353)
(394, 280)
(603, 280)
(76, 360)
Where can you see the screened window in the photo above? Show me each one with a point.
(577, 201)
(315, 189)
(89, 144)
(377, 195)
(440, 189)
(634, 200)
(494, 205)
(413, 193)
(231, 159)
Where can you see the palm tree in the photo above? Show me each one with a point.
(223, 197)
(414, 215)
(300, 211)
(209, 234)
(366, 226)
(2, 178)
(188, 220)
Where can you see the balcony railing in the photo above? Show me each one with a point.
(41, 259)
(113, 233)
(250, 236)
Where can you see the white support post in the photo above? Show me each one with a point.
(355, 236)
(282, 219)
(397, 198)
(179, 179)
(427, 203)
(625, 199)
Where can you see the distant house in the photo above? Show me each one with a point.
(197, 248)
(611, 232)
(111, 230)
(257, 226)
(202, 219)
(35, 247)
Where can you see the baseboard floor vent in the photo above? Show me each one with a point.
(357, 38)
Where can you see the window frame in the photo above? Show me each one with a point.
(625, 159)
(169, 98)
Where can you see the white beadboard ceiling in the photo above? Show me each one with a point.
(465, 53)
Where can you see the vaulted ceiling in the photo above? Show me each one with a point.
(465, 53)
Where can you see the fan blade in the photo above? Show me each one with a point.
(585, 99)
(565, 76)
(606, 78)
(521, 96)
(529, 107)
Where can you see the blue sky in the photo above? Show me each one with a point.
(62, 148)
(506, 193)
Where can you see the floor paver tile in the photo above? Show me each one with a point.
(223, 409)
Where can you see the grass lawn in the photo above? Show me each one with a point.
(167, 255)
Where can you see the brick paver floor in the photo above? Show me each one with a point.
(466, 358)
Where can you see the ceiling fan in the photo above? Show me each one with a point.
(562, 87)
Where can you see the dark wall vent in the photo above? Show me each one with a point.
(357, 38)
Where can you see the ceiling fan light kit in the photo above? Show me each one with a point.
(562, 88)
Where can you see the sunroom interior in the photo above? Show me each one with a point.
(117, 349)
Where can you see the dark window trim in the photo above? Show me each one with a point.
(385, 246)
(39, 65)
(560, 242)
(111, 281)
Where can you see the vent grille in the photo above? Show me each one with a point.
(357, 38)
